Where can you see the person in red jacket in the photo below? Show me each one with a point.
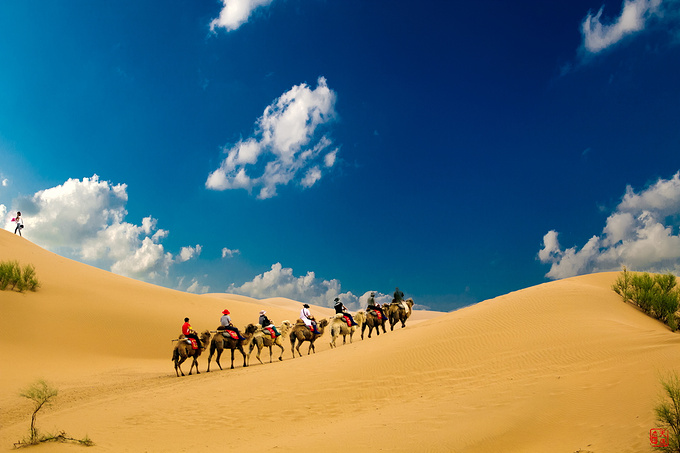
(190, 333)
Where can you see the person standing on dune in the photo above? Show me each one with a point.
(20, 223)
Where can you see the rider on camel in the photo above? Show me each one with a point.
(340, 308)
(375, 307)
(226, 324)
(266, 323)
(308, 319)
(190, 333)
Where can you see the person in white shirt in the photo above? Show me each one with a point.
(308, 319)
(19, 222)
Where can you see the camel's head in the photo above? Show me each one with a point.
(252, 328)
(360, 316)
(205, 336)
(323, 322)
(286, 326)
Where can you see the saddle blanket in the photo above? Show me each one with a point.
(377, 314)
(271, 332)
(230, 334)
(349, 323)
(194, 343)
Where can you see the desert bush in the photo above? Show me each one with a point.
(622, 286)
(668, 413)
(657, 295)
(12, 276)
(42, 394)
(29, 279)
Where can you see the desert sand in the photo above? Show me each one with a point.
(559, 367)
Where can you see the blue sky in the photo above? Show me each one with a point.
(327, 148)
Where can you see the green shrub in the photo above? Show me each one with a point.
(42, 395)
(622, 287)
(657, 295)
(668, 413)
(12, 276)
(28, 278)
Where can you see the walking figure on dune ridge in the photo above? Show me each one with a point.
(19, 222)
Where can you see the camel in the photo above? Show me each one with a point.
(220, 341)
(339, 327)
(183, 351)
(263, 339)
(399, 311)
(302, 333)
(372, 322)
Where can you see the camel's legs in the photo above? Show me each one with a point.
(194, 363)
(240, 348)
(217, 358)
(280, 355)
(178, 366)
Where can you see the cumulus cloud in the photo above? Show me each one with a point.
(228, 253)
(235, 13)
(5, 182)
(635, 14)
(85, 219)
(196, 288)
(287, 144)
(186, 253)
(281, 282)
(642, 234)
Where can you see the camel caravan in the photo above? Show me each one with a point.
(306, 329)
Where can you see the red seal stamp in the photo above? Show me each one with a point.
(658, 437)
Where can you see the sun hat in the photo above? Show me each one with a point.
(262, 312)
(225, 312)
(306, 305)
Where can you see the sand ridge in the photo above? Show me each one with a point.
(557, 367)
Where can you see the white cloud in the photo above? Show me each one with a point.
(186, 253)
(285, 144)
(85, 219)
(311, 177)
(598, 36)
(228, 253)
(235, 13)
(640, 234)
(5, 182)
(281, 282)
(196, 288)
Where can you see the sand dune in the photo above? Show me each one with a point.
(553, 368)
